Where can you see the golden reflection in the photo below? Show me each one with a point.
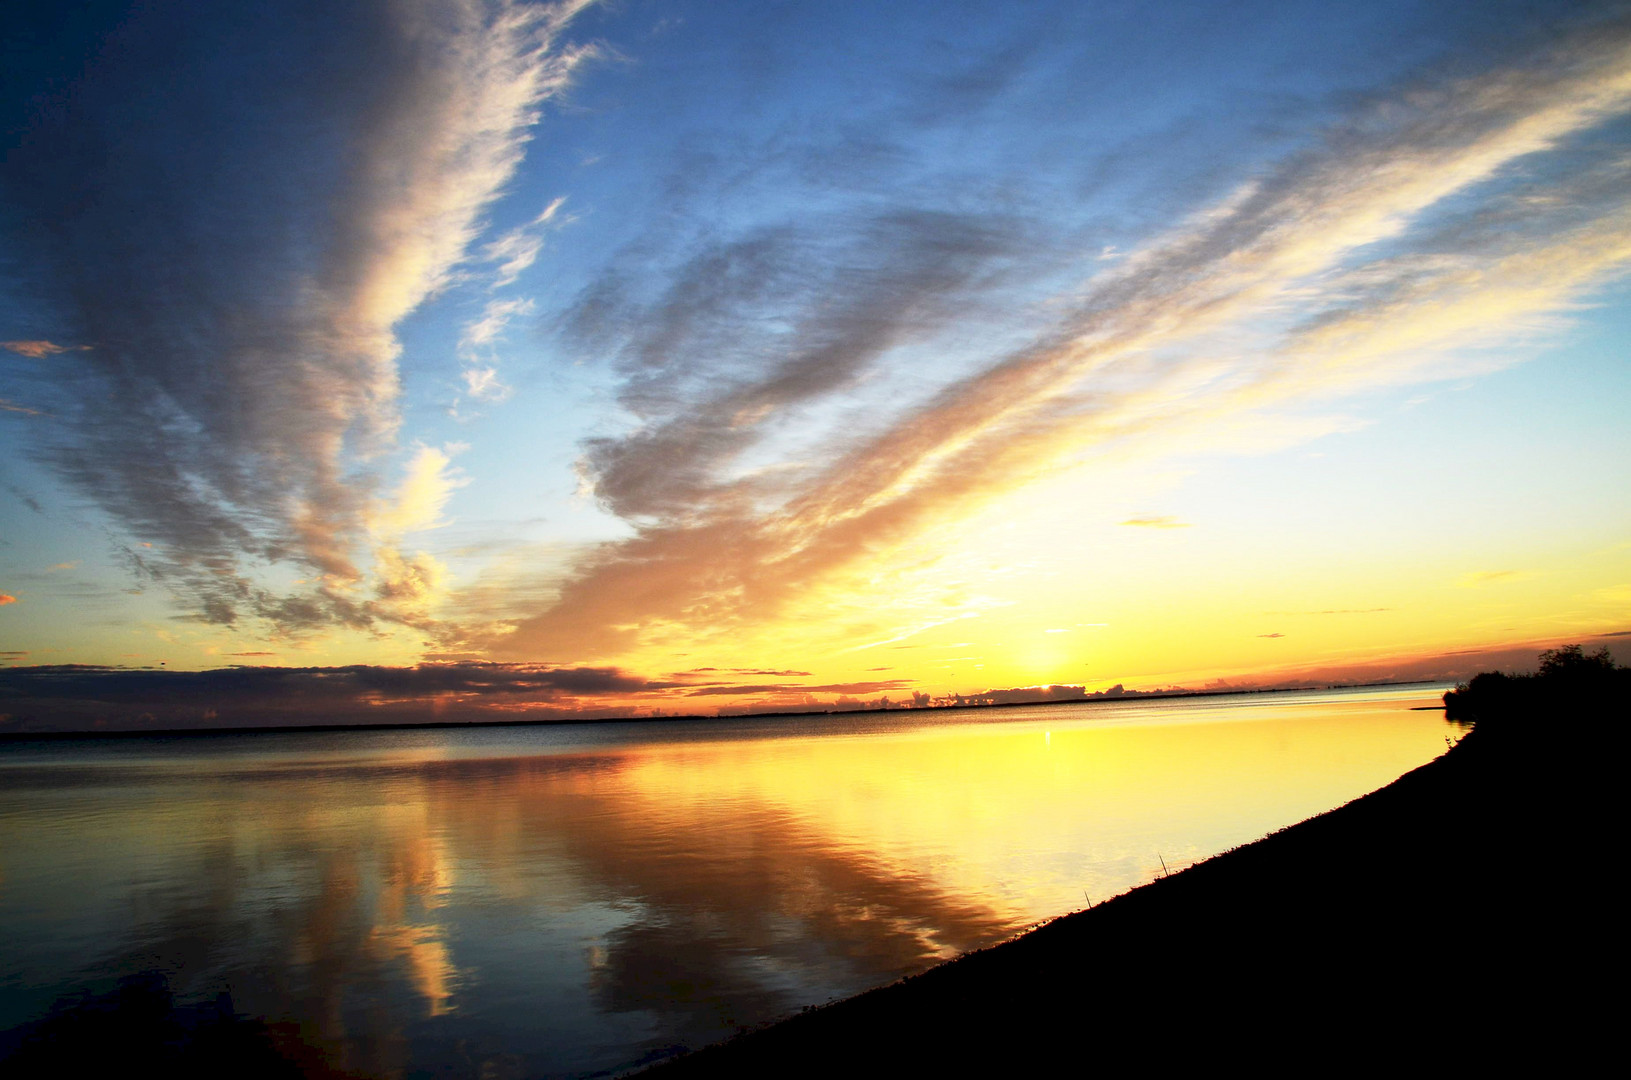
(1023, 816)
(685, 885)
(427, 958)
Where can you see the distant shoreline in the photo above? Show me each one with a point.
(444, 725)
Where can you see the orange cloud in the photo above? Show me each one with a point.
(1490, 577)
(7, 598)
(40, 349)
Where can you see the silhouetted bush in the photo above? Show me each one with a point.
(1588, 685)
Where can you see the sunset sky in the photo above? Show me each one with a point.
(434, 358)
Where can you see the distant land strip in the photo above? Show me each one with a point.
(560, 721)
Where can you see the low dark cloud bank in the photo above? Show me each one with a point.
(88, 697)
(84, 697)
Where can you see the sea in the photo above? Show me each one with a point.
(577, 900)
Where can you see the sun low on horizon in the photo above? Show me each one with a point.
(492, 360)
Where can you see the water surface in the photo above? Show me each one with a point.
(571, 900)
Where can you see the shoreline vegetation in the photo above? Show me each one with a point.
(1450, 918)
(1101, 697)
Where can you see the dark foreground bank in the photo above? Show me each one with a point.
(1463, 915)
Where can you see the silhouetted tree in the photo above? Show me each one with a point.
(1573, 662)
(1589, 687)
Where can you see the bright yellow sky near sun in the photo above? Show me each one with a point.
(1085, 578)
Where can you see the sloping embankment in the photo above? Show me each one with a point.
(1451, 918)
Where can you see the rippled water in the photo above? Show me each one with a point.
(572, 900)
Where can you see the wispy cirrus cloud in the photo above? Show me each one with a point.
(516, 250)
(1448, 216)
(510, 255)
(746, 332)
(1482, 578)
(1156, 521)
(872, 687)
(254, 242)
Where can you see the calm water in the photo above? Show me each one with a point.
(572, 900)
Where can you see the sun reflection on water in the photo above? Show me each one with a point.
(437, 901)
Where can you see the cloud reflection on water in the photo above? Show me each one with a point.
(524, 910)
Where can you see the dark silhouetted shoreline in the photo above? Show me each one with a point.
(1458, 917)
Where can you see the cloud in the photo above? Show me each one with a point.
(408, 587)
(1389, 251)
(1490, 577)
(40, 349)
(1275, 635)
(70, 696)
(888, 685)
(1613, 594)
(25, 498)
(1020, 695)
(477, 347)
(495, 317)
(254, 242)
(518, 249)
(408, 582)
(739, 671)
(1152, 521)
(429, 483)
(11, 406)
(7, 598)
(746, 331)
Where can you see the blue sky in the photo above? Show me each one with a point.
(1061, 343)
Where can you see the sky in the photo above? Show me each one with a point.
(479, 359)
